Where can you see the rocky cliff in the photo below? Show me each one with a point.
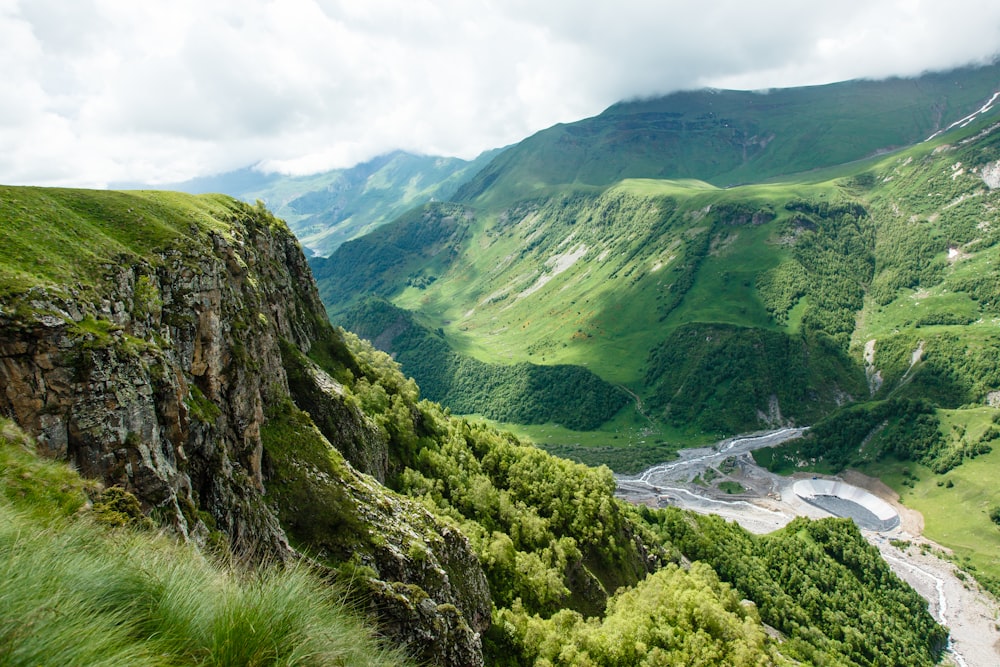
(158, 363)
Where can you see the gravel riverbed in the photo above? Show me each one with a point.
(767, 503)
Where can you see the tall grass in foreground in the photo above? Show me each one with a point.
(76, 593)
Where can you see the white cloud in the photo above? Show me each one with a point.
(103, 90)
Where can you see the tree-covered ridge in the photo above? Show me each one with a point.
(449, 532)
(818, 582)
(522, 393)
(556, 546)
(722, 377)
(546, 530)
(673, 617)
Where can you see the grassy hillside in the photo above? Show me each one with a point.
(611, 281)
(55, 237)
(927, 333)
(720, 309)
(731, 137)
(520, 393)
(85, 585)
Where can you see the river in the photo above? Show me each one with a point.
(767, 503)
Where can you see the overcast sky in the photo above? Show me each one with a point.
(97, 91)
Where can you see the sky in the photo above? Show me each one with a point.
(94, 92)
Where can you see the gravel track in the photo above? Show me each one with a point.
(768, 503)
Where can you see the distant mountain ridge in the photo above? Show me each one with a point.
(728, 137)
(609, 244)
(324, 210)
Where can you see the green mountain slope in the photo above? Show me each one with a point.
(177, 355)
(326, 209)
(720, 309)
(729, 137)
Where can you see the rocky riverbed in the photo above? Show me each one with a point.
(725, 480)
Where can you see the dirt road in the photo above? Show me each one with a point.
(767, 503)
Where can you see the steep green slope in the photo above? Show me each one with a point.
(80, 588)
(720, 310)
(936, 281)
(615, 281)
(728, 137)
(928, 337)
(521, 393)
(511, 499)
(35, 251)
(196, 371)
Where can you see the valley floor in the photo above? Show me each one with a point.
(767, 503)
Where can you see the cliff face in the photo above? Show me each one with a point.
(162, 375)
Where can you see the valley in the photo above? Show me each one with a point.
(717, 295)
(171, 381)
(767, 502)
(630, 290)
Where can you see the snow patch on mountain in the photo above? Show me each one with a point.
(968, 119)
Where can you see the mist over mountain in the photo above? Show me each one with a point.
(622, 245)
(197, 467)
(727, 137)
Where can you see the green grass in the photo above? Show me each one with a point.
(628, 444)
(603, 308)
(77, 593)
(725, 291)
(955, 505)
(38, 486)
(53, 236)
(731, 487)
(955, 516)
(733, 137)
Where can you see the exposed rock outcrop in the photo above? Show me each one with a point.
(161, 376)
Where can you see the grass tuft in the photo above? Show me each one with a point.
(78, 593)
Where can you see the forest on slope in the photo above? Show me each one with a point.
(177, 354)
(859, 297)
(720, 310)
